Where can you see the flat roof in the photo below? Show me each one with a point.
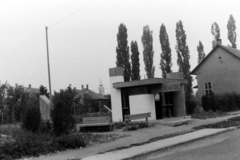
(145, 82)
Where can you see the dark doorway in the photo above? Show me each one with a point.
(164, 105)
(158, 107)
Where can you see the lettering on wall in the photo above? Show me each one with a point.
(170, 87)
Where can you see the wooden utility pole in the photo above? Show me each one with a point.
(49, 75)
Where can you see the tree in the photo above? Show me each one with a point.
(135, 74)
(231, 26)
(215, 30)
(61, 111)
(201, 53)
(183, 60)
(147, 41)
(166, 57)
(122, 50)
(43, 91)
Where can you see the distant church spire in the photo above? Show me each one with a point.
(101, 88)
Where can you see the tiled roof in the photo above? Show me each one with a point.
(234, 51)
(93, 94)
(32, 90)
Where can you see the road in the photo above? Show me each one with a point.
(224, 146)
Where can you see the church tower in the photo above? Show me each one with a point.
(101, 88)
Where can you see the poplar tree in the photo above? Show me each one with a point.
(231, 26)
(215, 30)
(166, 57)
(183, 59)
(135, 70)
(122, 50)
(147, 41)
(201, 53)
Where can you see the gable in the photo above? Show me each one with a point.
(219, 54)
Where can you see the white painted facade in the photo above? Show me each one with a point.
(116, 100)
(143, 103)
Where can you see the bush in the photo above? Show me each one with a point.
(228, 101)
(205, 103)
(25, 144)
(32, 119)
(190, 106)
(61, 113)
(71, 141)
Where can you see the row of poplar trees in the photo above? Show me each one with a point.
(132, 69)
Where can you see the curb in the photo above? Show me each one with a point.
(181, 143)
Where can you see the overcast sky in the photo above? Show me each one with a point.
(83, 47)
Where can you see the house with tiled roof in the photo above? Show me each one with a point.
(32, 91)
(97, 99)
(219, 71)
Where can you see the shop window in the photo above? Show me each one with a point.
(208, 87)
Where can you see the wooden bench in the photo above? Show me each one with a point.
(128, 118)
(95, 122)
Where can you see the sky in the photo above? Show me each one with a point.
(82, 47)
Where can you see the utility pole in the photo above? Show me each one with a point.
(49, 76)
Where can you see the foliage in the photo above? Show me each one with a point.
(31, 144)
(71, 141)
(135, 126)
(135, 74)
(122, 50)
(232, 36)
(147, 41)
(205, 104)
(166, 57)
(228, 102)
(209, 114)
(183, 59)
(215, 30)
(43, 91)
(223, 124)
(61, 112)
(190, 106)
(201, 53)
(32, 119)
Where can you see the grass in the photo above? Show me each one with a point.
(210, 114)
(232, 122)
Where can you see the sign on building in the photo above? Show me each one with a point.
(171, 87)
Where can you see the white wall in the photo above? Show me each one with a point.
(142, 104)
(116, 100)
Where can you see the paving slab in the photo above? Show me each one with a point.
(161, 144)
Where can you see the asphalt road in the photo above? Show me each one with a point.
(224, 146)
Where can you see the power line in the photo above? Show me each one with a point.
(71, 14)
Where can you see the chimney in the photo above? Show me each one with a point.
(87, 86)
(219, 41)
(82, 87)
(29, 86)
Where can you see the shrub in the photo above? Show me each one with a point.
(71, 141)
(205, 103)
(61, 113)
(190, 106)
(228, 101)
(32, 119)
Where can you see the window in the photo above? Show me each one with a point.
(208, 87)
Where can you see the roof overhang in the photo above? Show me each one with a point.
(145, 82)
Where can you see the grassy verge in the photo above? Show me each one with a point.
(232, 122)
(210, 114)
